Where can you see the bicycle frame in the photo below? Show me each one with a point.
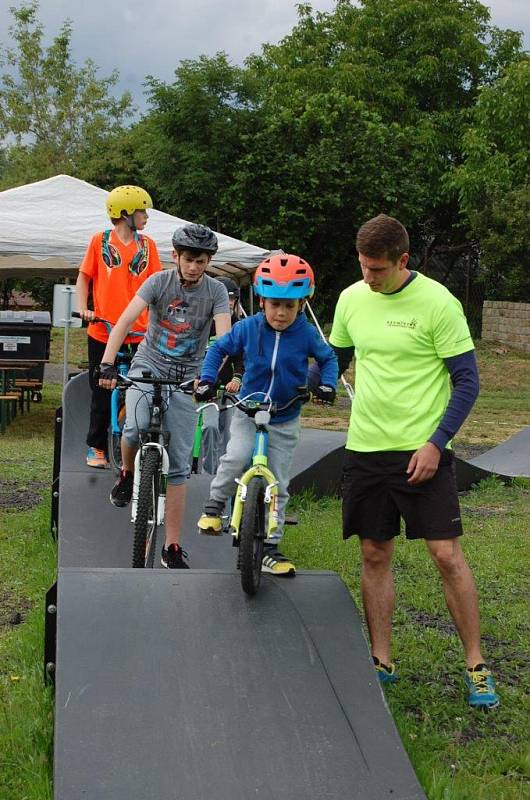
(259, 468)
(155, 439)
(122, 367)
(197, 443)
(152, 438)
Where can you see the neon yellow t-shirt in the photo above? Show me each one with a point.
(402, 384)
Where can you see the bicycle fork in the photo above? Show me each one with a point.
(270, 499)
(259, 468)
(161, 506)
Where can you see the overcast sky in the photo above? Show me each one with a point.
(141, 37)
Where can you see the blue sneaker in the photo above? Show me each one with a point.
(385, 672)
(96, 458)
(481, 688)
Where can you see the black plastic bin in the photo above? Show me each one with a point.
(25, 337)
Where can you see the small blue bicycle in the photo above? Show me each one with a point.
(117, 397)
(255, 511)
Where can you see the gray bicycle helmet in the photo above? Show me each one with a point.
(195, 237)
(231, 286)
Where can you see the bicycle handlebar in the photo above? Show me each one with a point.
(107, 324)
(250, 407)
(187, 386)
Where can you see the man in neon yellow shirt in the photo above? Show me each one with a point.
(416, 381)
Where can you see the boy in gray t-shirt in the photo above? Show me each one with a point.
(182, 304)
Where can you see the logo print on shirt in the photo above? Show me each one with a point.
(402, 323)
(172, 342)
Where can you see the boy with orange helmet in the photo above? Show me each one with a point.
(276, 344)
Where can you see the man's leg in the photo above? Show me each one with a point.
(377, 585)
(460, 594)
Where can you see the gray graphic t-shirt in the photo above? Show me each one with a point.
(179, 320)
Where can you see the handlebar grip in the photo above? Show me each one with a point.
(77, 315)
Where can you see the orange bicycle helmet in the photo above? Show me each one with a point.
(283, 277)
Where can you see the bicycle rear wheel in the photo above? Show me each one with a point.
(252, 535)
(145, 524)
(114, 445)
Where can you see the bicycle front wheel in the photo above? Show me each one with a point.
(252, 536)
(145, 524)
(114, 445)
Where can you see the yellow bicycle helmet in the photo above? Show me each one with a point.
(128, 199)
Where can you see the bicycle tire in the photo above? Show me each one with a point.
(252, 535)
(145, 524)
(114, 445)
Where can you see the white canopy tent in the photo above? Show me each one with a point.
(46, 226)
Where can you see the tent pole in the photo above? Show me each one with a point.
(347, 386)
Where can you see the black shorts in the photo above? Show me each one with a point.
(375, 494)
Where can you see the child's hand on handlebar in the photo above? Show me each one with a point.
(205, 391)
(324, 394)
(233, 386)
(108, 375)
(87, 314)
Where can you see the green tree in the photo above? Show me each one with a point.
(356, 111)
(362, 110)
(53, 114)
(494, 182)
(189, 142)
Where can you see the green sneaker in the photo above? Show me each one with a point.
(481, 688)
(385, 672)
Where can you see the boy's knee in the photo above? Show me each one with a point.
(130, 440)
(177, 478)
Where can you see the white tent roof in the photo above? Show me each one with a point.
(46, 226)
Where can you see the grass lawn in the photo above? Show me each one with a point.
(457, 754)
(27, 570)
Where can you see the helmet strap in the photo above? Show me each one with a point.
(129, 219)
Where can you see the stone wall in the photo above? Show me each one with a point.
(508, 323)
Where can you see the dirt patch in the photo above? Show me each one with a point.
(483, 511)
(467, 735)
(469, 451)
(429, 621)
(13, 610)
(325, 423)
(20, 496)
(505, 659)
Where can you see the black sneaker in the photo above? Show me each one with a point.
(122, 490)
(276, 563)
(173, 557)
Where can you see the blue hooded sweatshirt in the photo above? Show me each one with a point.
(276, 363)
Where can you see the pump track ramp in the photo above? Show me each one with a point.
(179, 687)
(508, 460)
